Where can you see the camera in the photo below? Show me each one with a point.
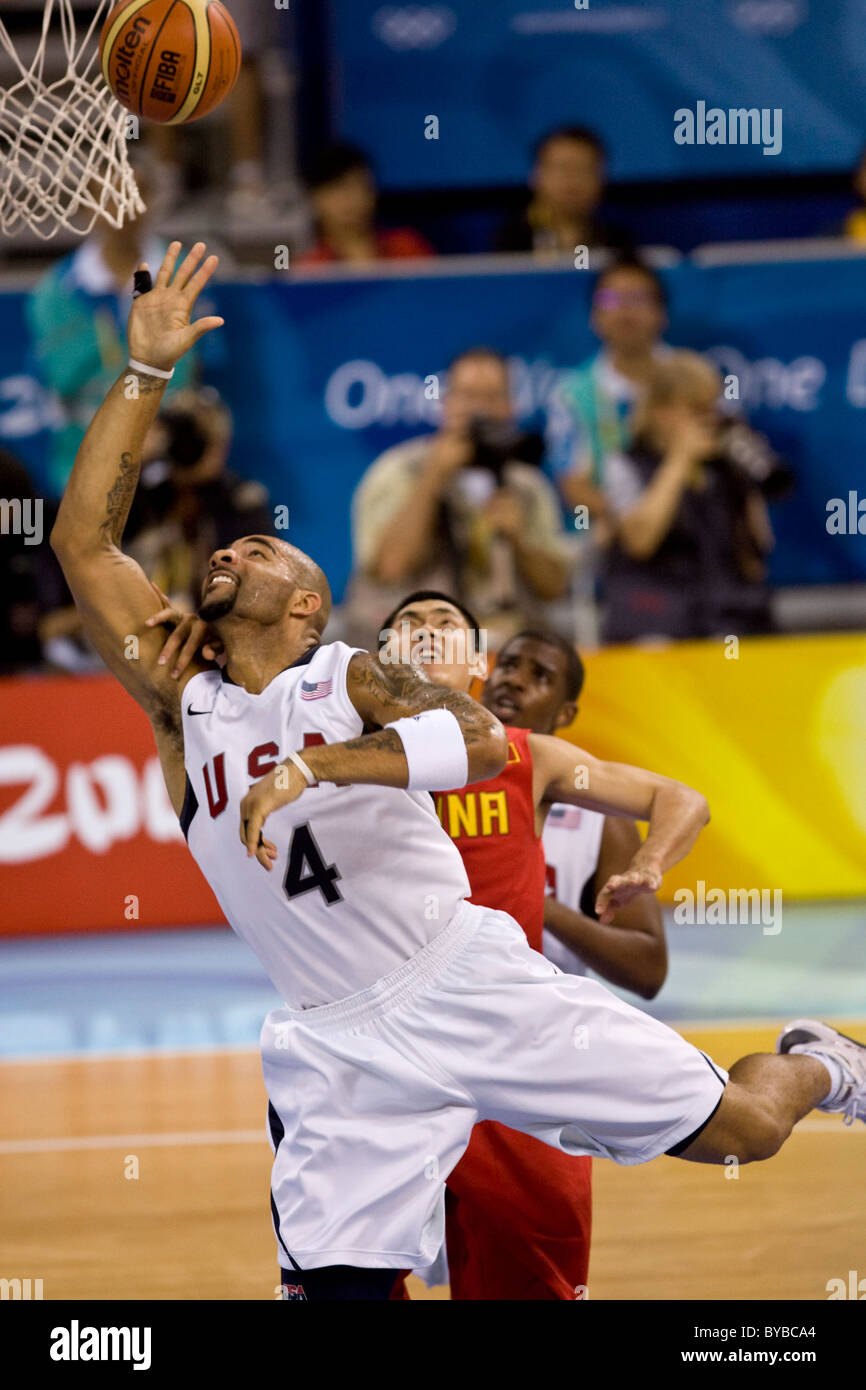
(498, 442)
(186, 441)
(750, 456)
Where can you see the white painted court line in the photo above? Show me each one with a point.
(132, 1054)
(832, 1124)
(129, 1141)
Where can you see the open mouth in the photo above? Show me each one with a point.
(219, 578)
(428, 654)
(506, 704)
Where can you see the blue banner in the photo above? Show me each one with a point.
(322, 376)
(497, 73)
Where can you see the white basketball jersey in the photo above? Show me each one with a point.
(364, 877)
(571, 841)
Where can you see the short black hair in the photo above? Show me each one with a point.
(581, 134)
(425, 596)
(575, 673)
(638, 267)
(332, 161)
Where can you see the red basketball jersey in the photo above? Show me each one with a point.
(492, 824)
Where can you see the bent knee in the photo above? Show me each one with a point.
(742, 1128)
(764, 1138)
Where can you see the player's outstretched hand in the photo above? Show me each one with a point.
(189, 638)
(279, 788)
(159, 331)
(621, 888)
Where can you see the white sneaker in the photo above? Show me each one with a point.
(808, 1035)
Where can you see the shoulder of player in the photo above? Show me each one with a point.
(544, 750)
(196, 688)
(552, 760)
(199, 688)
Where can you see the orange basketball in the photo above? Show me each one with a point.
(170, 60)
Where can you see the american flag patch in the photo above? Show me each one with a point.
(566, 817)
(315, 690)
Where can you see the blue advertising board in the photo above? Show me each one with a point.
(323, 375)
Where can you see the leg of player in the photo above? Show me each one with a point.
(816, 1068)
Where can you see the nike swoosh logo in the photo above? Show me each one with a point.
(199, 711)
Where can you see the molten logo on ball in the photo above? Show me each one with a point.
(124, 57)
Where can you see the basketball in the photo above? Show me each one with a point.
(170, 61)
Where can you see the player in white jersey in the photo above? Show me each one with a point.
(375, 1079)
(571, 841)
(536, 684)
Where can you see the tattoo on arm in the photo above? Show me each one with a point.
(384, 693)
(148, 384)
(381, 741)
(118, 499)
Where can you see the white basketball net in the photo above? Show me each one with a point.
(63, 147)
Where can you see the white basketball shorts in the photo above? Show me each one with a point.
(373, 1098)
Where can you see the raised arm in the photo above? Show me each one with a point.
(111, 591)
(676, 813)
(441, 739)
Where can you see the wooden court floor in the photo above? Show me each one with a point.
(147, 1177)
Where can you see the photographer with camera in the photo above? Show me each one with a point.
(688, 497)
(465, 509)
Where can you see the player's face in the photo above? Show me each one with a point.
(252, 578)
(435, 635)
(626, 312)
(527, 687)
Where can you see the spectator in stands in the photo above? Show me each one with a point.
(592, 406)
(691, 525)
(465, 509)
(855, 222)
(188, 502)
(24, 529)
(343, 193)
(566, 188)
(77, 316)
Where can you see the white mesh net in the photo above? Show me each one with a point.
(63, 142)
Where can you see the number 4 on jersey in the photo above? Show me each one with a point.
(307, 869)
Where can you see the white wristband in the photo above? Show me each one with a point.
(150, 371)
(435, 750)
(299, 763)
